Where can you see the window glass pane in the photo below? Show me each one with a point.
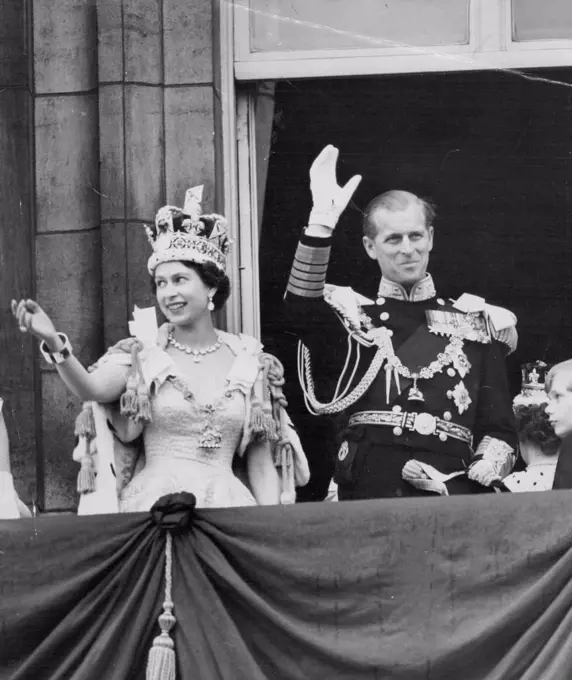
(546, 20)
(289, 25)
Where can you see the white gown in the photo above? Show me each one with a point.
(176, 458)
(11, 507)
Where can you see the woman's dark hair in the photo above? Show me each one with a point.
(212, 277)
(532, 424)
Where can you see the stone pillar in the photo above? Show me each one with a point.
(18, 358)
(67, 240)
(156, 133)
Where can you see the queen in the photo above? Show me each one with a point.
(181, 407)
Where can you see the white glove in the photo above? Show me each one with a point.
(483, 472)
(332, 496)
(330, 200)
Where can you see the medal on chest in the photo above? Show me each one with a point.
(452, 355)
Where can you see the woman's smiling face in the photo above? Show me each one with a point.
(181, 294)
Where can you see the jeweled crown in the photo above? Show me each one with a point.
(187, 235)
(533, 384)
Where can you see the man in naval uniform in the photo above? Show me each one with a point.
(418, 383)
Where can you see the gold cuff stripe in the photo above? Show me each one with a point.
(310, 267)
(307, 276)
(312, 255)
(491, 446)
(303, 292)
(309, 285)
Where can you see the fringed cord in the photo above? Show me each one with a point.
(352, 376)
(337, 405)
(128, 401)
(337, 394)
(161, 664)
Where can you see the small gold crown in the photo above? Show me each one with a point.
(187, 235)
(532, 388)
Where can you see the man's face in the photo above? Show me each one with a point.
(559, 407)
(402, 244)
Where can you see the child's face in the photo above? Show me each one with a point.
(559, 407)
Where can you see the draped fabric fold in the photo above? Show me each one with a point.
(478, 587)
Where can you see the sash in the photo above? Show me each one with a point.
(419, 350)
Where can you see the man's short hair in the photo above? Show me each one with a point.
(557, 369)
(394, 201)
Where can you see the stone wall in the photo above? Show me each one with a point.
(156, 133)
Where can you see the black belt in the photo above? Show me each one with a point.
(422, 423)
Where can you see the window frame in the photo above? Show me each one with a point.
(490, 47)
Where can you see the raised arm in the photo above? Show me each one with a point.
(305, 288)
(104, 385)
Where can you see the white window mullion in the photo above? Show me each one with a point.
(489, 30)
(248, 229)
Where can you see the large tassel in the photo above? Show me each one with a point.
(256, 417)
(262, 423)
(86, 474)
(85, 431)
(128, 400)
(288, 495)
(144, 403)
(85, 422)
(161, 664)
(135, 401)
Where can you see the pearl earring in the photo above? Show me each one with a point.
(210, 305)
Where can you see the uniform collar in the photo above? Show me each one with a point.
(421, 291)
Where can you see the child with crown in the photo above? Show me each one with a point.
(538, 444)
(185, 407)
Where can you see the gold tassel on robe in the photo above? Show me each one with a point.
(135, 402)
(85, 431)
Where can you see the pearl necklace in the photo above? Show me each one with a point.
(198, 354)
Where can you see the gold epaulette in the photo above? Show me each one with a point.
(347, 303)
(501, 322)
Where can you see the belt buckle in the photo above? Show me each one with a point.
(425, 423)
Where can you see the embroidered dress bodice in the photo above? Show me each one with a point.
(177, 452)
(178, 422)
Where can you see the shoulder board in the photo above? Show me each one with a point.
(499, 317)
(347, 303)
(501, 321)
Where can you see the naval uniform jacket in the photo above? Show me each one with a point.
(465, 409)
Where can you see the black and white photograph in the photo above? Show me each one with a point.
(285, 339)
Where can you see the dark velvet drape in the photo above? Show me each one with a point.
(477, 588)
